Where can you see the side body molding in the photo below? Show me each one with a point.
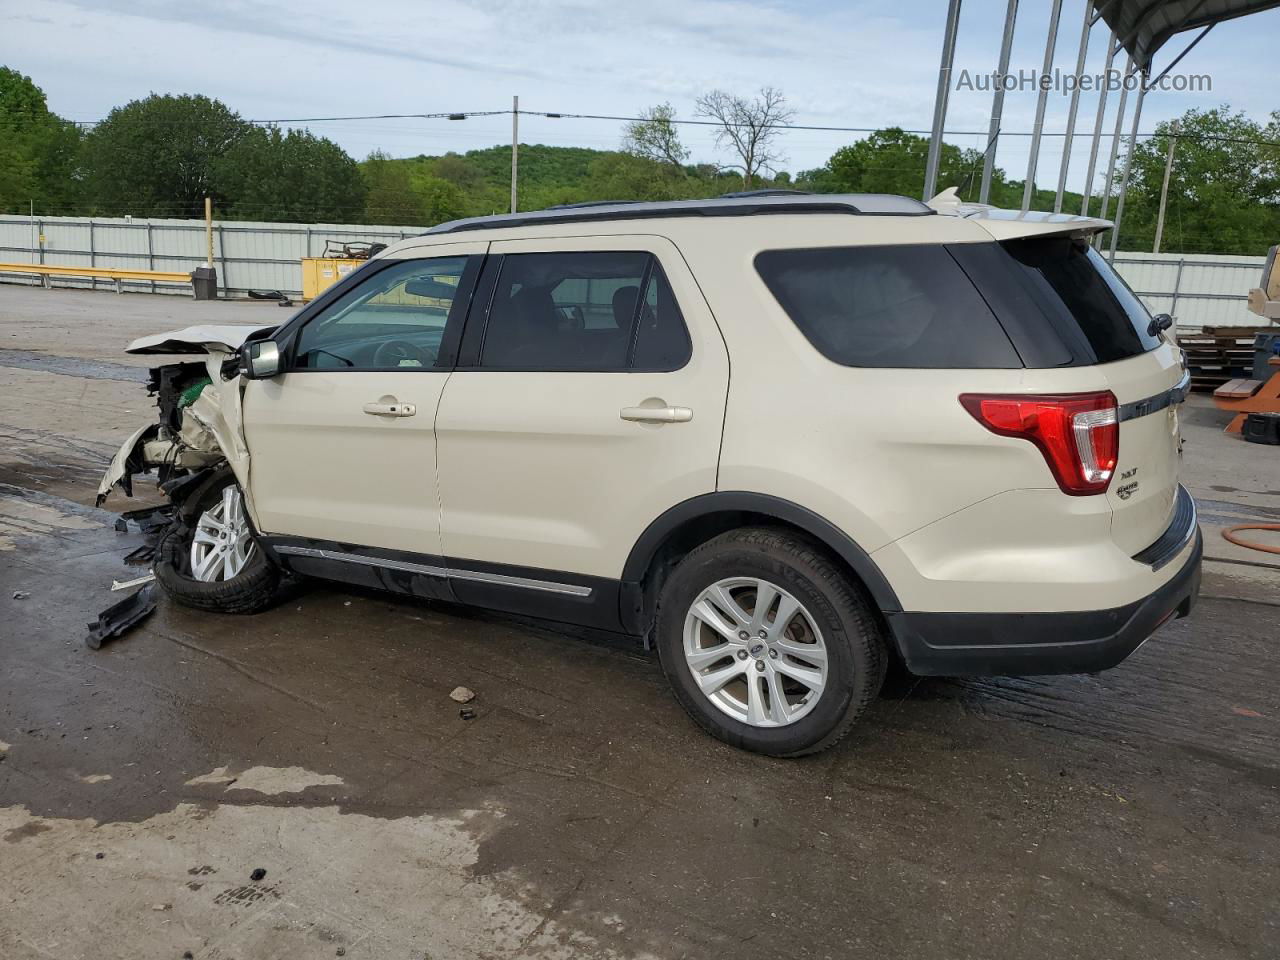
(737, 501)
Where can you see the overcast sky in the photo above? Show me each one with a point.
(855, 63)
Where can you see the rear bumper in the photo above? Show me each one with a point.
(986, 644)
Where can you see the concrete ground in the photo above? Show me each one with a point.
(579, 814)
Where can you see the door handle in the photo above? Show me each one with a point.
(656, 414)
(390, 409)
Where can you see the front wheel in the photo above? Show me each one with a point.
(767, 644)
(211, 561)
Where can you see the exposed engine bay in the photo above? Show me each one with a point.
(200, 422)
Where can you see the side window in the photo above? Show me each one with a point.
(662, 340)
(394, 320)
(598, 311)
(898, 306)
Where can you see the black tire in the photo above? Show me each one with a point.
(249, 591)
(856, 650)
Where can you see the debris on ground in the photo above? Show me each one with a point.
(150, 520)
(137, 582)
(462, 695)
(258, 874)
(21, 595)
(120, 617)
(121, 525)
(141, 556)
(466, 713)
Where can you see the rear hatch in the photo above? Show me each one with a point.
(1064, 306)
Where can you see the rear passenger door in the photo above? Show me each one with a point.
(588, 399)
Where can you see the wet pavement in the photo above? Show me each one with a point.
(579, 813)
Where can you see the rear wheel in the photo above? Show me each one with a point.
(767, 644)
(211, 560)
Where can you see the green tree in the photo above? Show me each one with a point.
(39, 151)
(159, 156)
(1224, 188)
(655, 137)
(269, 174)
(893, 161)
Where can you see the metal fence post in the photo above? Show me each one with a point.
(151, 255)
(222, 260)
(93, 259)
(1177, 285)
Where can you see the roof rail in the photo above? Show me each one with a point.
(752, 204)
(766, 192)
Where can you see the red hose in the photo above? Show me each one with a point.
(1239, 541)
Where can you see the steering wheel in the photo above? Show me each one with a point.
(394, 353)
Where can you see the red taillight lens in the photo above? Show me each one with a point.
(1078, 433)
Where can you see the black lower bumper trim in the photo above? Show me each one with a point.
(1012, 644)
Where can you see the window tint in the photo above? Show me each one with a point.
(394, 320)
(580, 311)
(1083, 296)
(899, 306)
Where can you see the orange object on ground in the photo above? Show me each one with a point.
(1241, 397)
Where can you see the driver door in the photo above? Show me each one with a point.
(342, 443)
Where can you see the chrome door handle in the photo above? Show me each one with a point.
(656, 414)
(385, 409)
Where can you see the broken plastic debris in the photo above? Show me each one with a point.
(120, 617)
(21, 595)
(462, 695)
(258, 874)
(466, 713)
(137, 582)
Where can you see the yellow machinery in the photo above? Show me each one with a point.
(321, 272)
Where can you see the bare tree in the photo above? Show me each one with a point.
(749, 127)
(655, 137)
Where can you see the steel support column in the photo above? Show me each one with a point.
(997, 101)
(1075, 105)
(1128, 164)
(940, 98)
(1097, 126)
(1051, 42)
(1129, 68)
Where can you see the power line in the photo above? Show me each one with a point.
(563, 115)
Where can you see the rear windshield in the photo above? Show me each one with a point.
(1082, 296)
(891, 306)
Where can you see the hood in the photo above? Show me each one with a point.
(205, 338)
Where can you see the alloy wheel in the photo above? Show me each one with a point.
(223, 545)
(755, 652)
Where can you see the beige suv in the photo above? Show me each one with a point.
(783, 438)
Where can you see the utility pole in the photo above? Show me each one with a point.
(1164, 187)
(515, 148)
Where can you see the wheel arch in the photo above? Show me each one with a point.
(694, 521)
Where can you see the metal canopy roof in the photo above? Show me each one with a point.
(1143, 26)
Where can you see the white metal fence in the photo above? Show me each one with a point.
(1197, 289)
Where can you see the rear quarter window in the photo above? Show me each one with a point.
(1064, 281)
(887, 306)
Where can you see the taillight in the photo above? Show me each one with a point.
(1078, 433)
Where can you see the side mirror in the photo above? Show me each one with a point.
(1159, 323)
(260, 360)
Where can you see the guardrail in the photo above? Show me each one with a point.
(47, 270)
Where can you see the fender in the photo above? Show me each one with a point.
(733, 500)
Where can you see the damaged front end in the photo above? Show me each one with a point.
(200, 424)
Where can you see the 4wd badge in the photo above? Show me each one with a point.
(1127, 490)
